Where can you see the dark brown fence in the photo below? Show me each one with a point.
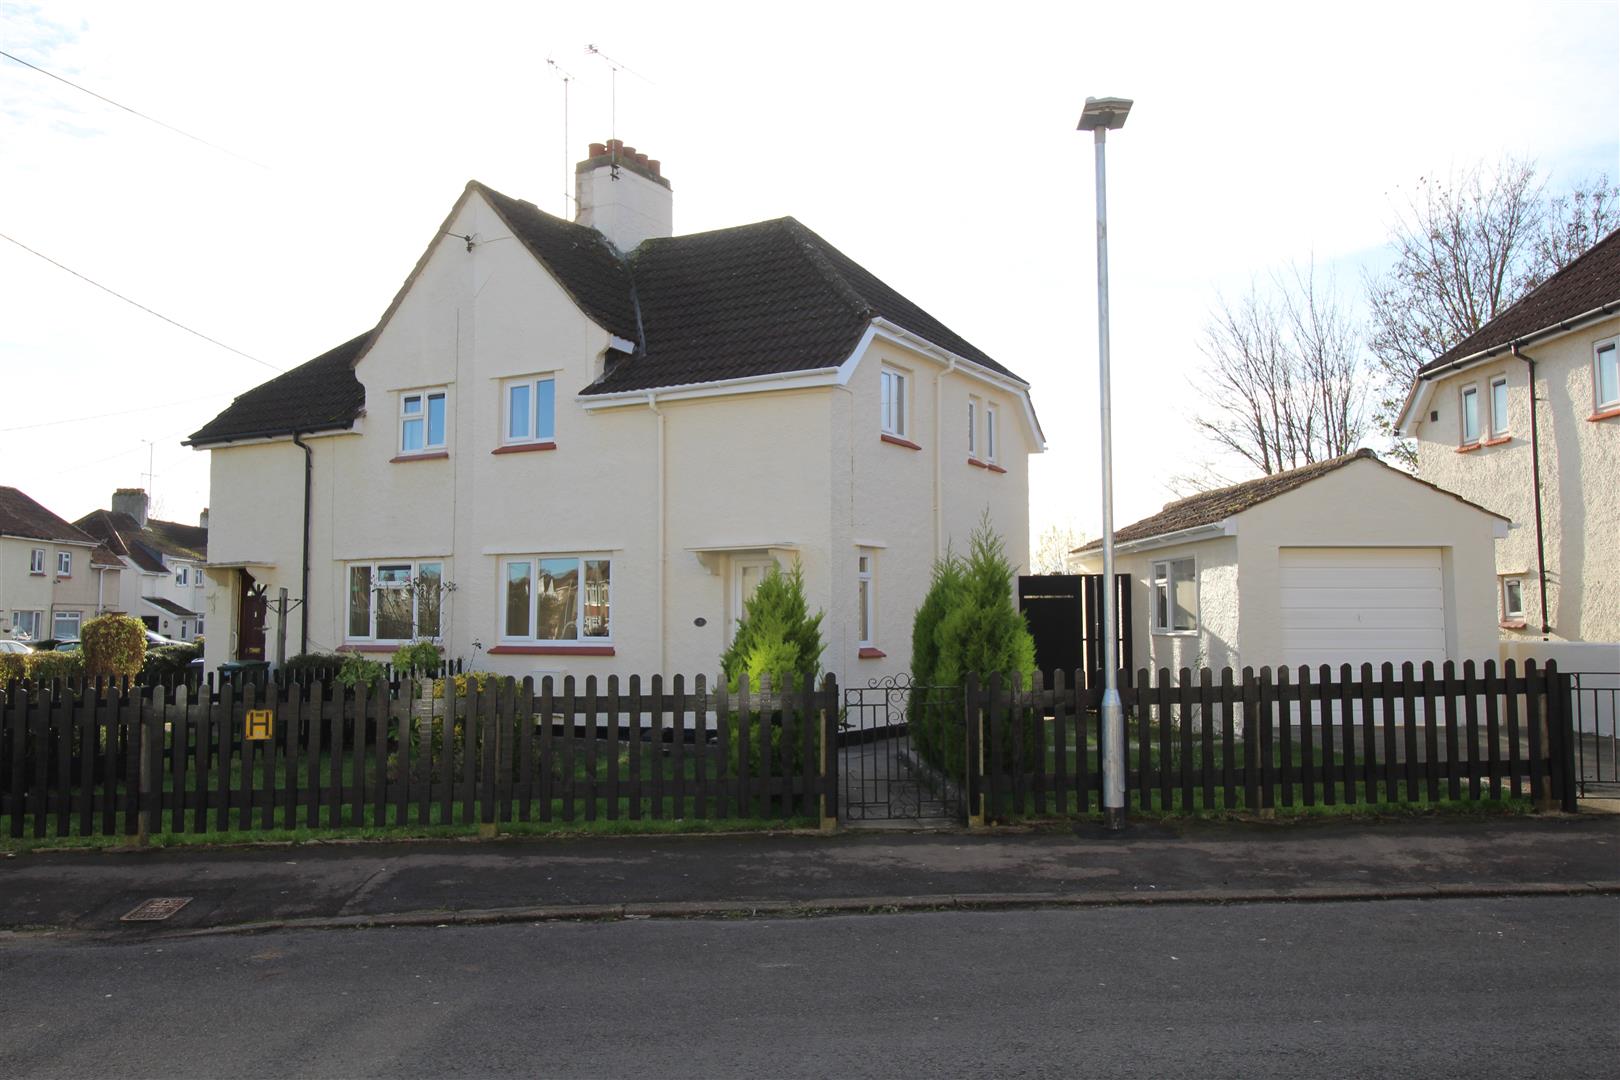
(99, 759)
(1260, 741)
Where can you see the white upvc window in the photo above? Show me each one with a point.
(1606, 375)
(182, 576)
(395, 600)
(1469, 420)
(894, 410)
(973, 426)
(529, 410)
(422, 421)
(556, 599)
(865, 601)
(1499, 407)
(1512, 598)
(27, 623)
(199, 626)
(992, 435)
(1175, 596)
(65, 625)
(185, 630)
(36, 561)
(64, 564)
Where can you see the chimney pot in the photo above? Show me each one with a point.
(628, 202)
(615, 144)
(655, 166)
(597, 149)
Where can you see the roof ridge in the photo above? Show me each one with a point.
(809, 242)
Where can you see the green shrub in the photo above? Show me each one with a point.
(13, 666)
(57, 665)
(113, 645)
(169, 662)
(357, 669)
(777, 634)
(979, 630)
(417, 658)
(946, 591)
(314, 665)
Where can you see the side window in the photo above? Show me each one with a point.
(1470, 415)
(1606, 376)
(1499, 406)
(422, 420)
(1175, 596)
(529, 410)
(866, 623)
(894, 418)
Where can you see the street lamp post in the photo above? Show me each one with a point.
(1099, 117)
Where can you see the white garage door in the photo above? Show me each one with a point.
(1362, 605)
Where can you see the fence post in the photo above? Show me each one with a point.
(829, 753)
(1557, 715)
(973, 762)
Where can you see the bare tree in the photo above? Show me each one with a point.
(1051, 553)
(1284, 386)
(1465, 251)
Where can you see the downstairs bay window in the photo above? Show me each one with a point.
(556, 600)
(396, 601)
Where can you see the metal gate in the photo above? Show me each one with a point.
(1595, 709)
(898, 745)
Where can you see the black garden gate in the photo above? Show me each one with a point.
(894, 736)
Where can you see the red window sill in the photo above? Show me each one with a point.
(64, 577)
(898, 441)
(1498, 441)
(368, 648)
(552, 650)
(1468, 448)
(36, 573)
(436, 456)
(992, 466)
(1606, 414)
(869, 653)
(1512, 624)
(524, 448)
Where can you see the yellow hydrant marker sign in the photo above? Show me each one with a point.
(260, 724)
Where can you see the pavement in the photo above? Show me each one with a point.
(347, 884)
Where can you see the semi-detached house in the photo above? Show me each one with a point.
(575, 447)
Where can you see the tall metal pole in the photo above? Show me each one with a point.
(1099, 115)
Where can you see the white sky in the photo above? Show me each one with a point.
(932, 142)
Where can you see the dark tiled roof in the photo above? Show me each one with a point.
(22, 516)
(170, 606)
(1209, 507)
(319, 395)
(145, 547)
(761, 299)
(1587, 283)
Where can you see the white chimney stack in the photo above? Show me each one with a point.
(623, 195)
(131, 501)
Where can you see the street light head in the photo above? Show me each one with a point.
(1104, 112)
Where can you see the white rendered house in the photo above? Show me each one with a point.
(574, 447)
(162, 580)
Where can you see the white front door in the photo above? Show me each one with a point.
(746, 574)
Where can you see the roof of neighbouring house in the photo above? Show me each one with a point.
(146, 546)
(756, 300)
(164, 604)
(1210, 507)
(21, 516)
(1586, 284)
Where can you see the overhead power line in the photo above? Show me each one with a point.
(132, 112)
(120, 412)
(143, 307)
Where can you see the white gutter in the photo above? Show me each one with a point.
(1417, 398)
(663, 615)
(785, 380)
(901, 336)
(1224, 527)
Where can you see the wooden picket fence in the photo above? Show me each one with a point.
(1264, 740)
(98, 758)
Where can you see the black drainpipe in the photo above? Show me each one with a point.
(303, 590)
(1535, 467)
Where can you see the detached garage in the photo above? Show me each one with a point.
(1343, 561)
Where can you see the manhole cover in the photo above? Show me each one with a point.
(156, 909)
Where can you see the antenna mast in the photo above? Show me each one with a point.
(566, 78)
(613, 118)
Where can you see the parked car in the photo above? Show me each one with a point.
(155, 640)
(11, 645)
(67, 645)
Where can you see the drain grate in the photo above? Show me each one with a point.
(156, 909)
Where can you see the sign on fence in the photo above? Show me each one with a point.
(261, 725)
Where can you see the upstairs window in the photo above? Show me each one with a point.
(36, 561)
(530, 410)
(1512, 598)
(1499, 406)
(422, 422)
(992, 436)
(182, 576)
(64, 564)
(1470, 415)
(973, 427)
(894, 419)
(1175, 596)
(1606, 376)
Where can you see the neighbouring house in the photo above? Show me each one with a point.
(1346, 561)
(162, 582)
(1541, 380)
(53, 575)
(576, 447)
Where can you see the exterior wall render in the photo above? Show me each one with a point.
(1580, 475)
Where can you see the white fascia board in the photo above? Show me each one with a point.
(752, 384)
(899, 335)
(1417, 403)
(1224, 527)
(545, 551)
(261, 440)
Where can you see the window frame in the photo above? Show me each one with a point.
(973, 425)
(533, 561)
(1612, 347)
(374, 586)
(532, 384)
(1499, 423)
(426, 395)
(1463, 393)
(894, 409)
(75, 617)
(865, 599)
(36, 561)
(64, 564)
(36, 620)
(992, 434)
(1508, 614)
(182, 576)
(1169, 579)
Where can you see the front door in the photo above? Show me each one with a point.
(746, 574)
(250, 624)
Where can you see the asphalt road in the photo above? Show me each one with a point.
(1504, 987)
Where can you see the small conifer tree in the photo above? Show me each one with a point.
(778, 638)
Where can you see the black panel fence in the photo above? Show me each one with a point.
(97, 758)
(1260, 741)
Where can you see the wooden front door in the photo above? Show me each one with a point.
(250, 619)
